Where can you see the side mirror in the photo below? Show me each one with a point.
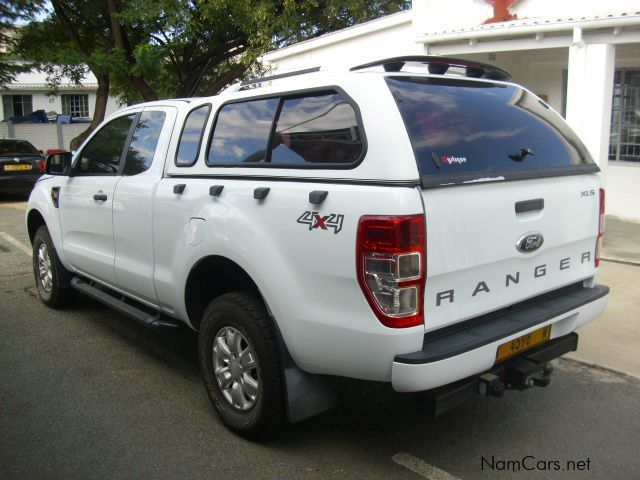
(58, 164)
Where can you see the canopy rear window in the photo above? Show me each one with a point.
(465, 131)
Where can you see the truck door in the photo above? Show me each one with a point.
(86, 201)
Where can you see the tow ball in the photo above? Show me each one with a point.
(523, 373)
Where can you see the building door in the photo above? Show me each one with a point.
(624, 143)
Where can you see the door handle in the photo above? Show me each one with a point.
(100, 197)
(529, 205)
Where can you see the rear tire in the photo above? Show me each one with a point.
(52, 279)
(240, 365)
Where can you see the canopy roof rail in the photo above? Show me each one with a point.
(439, 66)
(254, 81)
(232, 88)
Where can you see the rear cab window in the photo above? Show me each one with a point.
(318, 129)
(464, 131)
(144, 141)
(191, 136)
(241, 132)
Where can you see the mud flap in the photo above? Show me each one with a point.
(307, 395)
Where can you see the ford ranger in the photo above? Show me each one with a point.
(421, 221)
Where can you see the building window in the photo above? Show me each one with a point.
(16, 105)
(624, 143)
(75, 105)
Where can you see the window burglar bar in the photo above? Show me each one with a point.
(625, 117)
(75, 105)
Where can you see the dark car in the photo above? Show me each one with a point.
(21, 164)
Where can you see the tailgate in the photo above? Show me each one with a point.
(474, 265)
(511, 195)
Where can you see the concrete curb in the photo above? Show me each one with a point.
(615, 371)
(624, 261)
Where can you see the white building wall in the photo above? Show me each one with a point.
(44, 136)
(623, 191)
(389, 43)
(388, 37)
(430, 15)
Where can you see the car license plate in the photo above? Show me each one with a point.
(13, 168)
(523, 343)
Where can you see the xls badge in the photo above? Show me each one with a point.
(314, 220)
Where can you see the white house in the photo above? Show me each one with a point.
(29, 92)
(582, 56)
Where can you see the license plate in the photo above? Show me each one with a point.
(13, 168)
(523, 343)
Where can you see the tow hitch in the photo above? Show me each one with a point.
(523, 373)
(529, 369)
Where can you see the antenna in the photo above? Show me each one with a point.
(195, 86)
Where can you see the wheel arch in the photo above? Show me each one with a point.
(34, 221)
(211, 277)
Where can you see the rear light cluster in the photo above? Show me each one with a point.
(390, 256)
(42, 165)
(600, 229)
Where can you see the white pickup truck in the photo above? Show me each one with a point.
(421, 221)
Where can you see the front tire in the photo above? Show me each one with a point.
(240, 365)
(52, 279)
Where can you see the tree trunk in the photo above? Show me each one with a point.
(102, 96)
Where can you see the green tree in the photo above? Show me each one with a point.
(74, 37)
(13, 13)
(144, 50)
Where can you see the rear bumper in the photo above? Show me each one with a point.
(466, 349)
(521, 372)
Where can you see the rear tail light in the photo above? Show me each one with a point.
(390, 256)
(600, 229)
(42, 165)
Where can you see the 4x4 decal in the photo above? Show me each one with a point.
(315, 220)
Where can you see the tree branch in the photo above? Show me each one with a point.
(225, 79)
(223, 52)
(121, 41)
(69, 27)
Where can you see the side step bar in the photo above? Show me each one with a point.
(156, 321)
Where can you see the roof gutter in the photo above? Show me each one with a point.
(496, 30)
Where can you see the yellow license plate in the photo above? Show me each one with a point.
(12, 168)
(523, 343)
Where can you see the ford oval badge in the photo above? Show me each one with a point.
(529, 242)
